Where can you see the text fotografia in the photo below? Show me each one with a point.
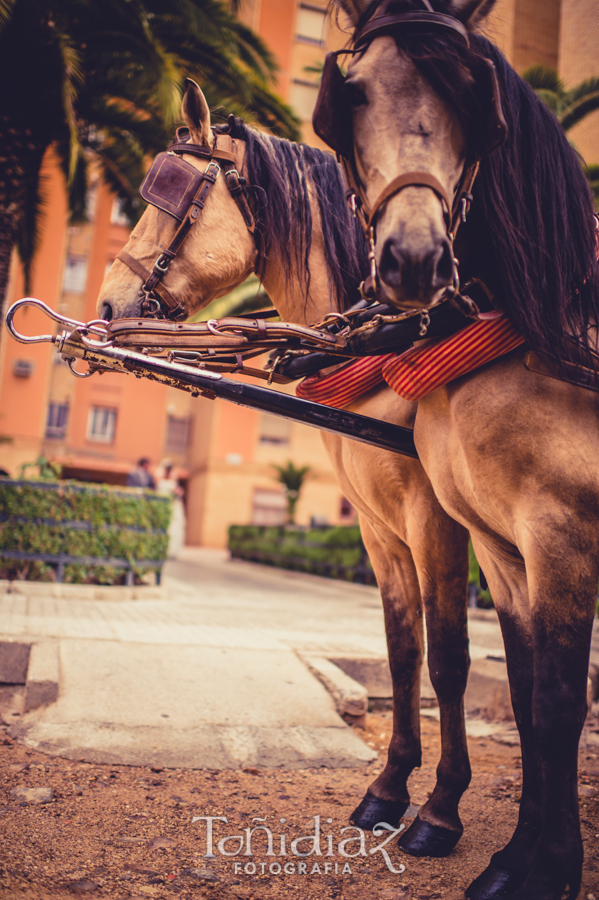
(310, 854)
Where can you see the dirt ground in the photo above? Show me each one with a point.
(121, 832)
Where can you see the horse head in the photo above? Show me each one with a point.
(218, 251)
(418, 108)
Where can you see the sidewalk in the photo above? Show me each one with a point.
(212, 671)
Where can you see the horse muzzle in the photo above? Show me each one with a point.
(414, 274)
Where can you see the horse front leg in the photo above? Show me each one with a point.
(443, 575)
(387, 798)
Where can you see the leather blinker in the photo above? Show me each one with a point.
(332, 117)
(171, 184)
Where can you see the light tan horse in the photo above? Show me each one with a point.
(511, 454)
(418, 553)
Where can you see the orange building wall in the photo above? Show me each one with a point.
(23, 401)
(225, 461)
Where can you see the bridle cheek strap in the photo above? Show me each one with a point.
(179, 189)
(140, 270)
(411, 179)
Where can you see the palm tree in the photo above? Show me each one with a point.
(569, 106)
(292, 479)
(101, 81)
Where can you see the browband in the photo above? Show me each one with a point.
(386, 24)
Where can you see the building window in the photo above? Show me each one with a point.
(274, 429)
(177, 435)
(75, 274)
(311, 22)
(101, 424)
(302, 98)
(56, 423)
(347, 513)
(269, 507)
(91, 203)
(118, 216)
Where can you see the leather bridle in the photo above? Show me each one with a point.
(179, 189)
(329, 124)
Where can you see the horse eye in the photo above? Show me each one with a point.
(355, 94)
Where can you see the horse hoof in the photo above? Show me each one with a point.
(371, 811)
(494, 884)
(424, 839)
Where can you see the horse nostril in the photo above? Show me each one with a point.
(443, 274)
(392, 263)
(107, 313)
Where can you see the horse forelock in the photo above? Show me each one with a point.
(282, 176)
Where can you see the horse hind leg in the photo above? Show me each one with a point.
(563, 590)
(547, 653)
(444, 578)
(387, 798)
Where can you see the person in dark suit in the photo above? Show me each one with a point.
(141, 475)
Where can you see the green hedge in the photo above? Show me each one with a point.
(336, 552)
(79, 533)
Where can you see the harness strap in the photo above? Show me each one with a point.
(140, 270)
(410, 179)
(237, 191)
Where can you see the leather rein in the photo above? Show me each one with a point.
(167, 190)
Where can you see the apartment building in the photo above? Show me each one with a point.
(98, 428)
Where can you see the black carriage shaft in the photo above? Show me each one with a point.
(326, 418)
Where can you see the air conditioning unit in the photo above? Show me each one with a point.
(22, 368)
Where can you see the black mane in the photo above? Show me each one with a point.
(284, 174)
(533, 220)
(530, 234)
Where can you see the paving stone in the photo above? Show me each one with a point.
(32, 796)
(14, 661)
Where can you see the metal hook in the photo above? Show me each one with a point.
(87, 374)
(37, 338)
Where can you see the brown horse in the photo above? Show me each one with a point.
(511, 454)
(306, 258)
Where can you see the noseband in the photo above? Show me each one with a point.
(332, 123)
(181, 190)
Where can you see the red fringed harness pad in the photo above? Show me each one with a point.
(420, 370)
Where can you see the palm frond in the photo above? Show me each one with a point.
(582, 90)
(544, 78)
(72, 77)
(551, 99)
(6, 8)
(576, 111)
(30, 224)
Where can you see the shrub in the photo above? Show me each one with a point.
(336, 552)
(79, 533)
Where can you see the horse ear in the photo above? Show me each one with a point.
(352, 8)
(196, 114)
(471, 12)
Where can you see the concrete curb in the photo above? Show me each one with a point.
(487, 694)
(199, 747)
(351, 697)
(84, 591)
(43, 675)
